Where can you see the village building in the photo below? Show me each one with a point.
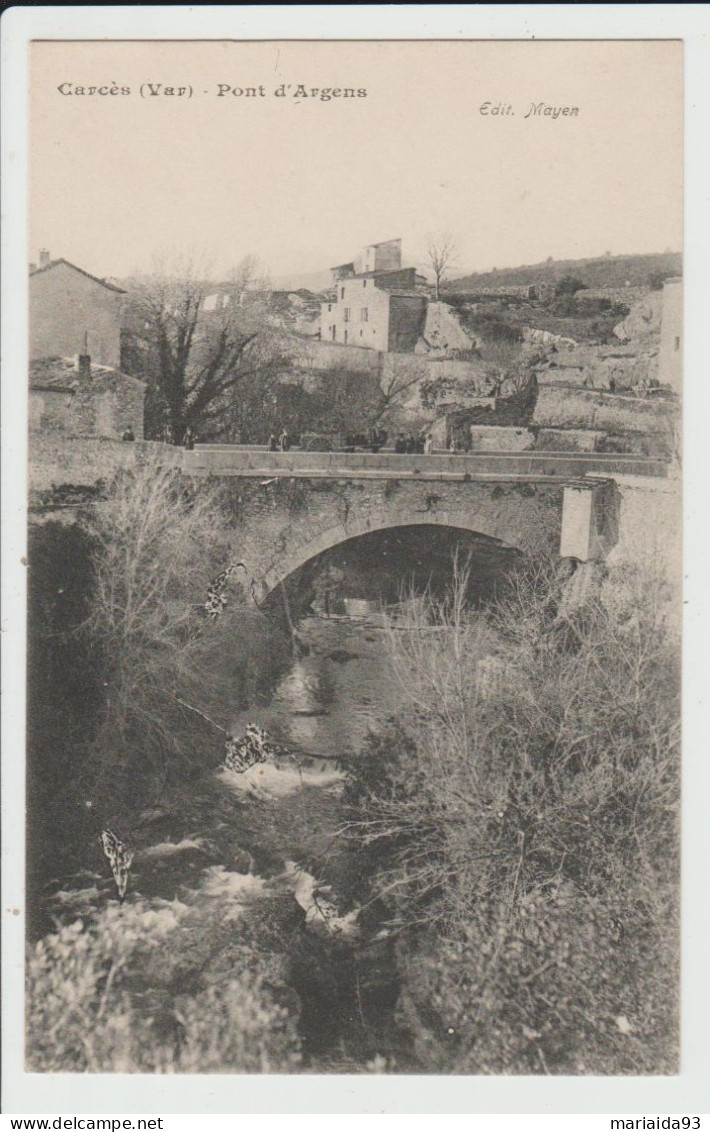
(73, 312)
(75, 397)
(76, 386)
(377, 303)
(670, 352)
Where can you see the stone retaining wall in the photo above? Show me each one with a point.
(55, 459)
(560, 407)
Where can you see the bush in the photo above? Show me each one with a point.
(491, 326)
(157, 542)
(84, 1015)
(656, 279)
(523, 836)
(569, 285)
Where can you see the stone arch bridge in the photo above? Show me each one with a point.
(290, 507)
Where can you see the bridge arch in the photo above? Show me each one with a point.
(310, 545)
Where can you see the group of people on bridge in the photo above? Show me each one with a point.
(413, 444)
(282, 444)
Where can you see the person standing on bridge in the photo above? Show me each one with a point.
(284, 441)
(428, 443)
(189, 439)
(273, 443)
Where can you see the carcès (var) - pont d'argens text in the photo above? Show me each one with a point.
(221, 90)
(354, 558)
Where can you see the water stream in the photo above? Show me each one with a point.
(264, 845)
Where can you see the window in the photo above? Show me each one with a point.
(332, 333)
(342, 292)
(346, 314)
(330, 307)
(364, 282)
(364, 314)
(677, 344)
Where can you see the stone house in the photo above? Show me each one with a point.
(376, 303)
(72, 313)
(74, 397)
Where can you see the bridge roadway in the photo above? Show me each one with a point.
(250, 462)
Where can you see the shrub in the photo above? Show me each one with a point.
(569, 285)
(156, 542)
(83, 1013)
(524, 835)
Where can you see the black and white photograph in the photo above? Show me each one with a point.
(354, 576)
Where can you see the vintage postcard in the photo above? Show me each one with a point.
(354, 398)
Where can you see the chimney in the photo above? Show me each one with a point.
(85, 367)
(44, 258)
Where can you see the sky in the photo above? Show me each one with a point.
(304, 183)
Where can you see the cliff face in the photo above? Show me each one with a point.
(443, 333)
(630, 364)
(642, 324)
(601, 367)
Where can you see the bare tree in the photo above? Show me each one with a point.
(394, 395)
(206, 351)
(441, 250)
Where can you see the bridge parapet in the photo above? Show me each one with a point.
(228, 460)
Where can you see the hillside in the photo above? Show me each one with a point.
(315, 281)
(604, 271)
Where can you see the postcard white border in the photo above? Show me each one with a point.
(688, 1093)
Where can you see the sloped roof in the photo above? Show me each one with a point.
(56, 262)
(62, 374)
(380, 273)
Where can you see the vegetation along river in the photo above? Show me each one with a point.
(264, 849)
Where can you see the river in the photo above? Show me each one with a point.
(266, 844)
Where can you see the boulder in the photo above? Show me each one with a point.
(643, 322)
(443, 333)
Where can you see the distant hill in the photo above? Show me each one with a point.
(315, 281)
(604, 271)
